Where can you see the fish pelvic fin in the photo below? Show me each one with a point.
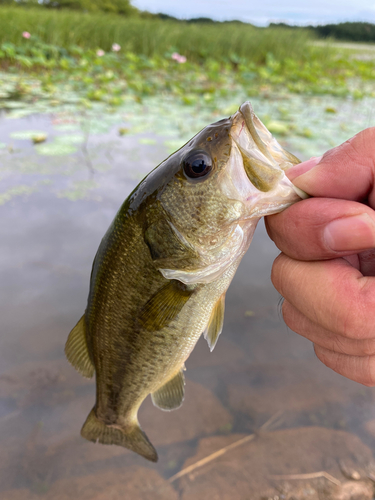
(170, 395)
(131, 437)
(215, 324)
(76, 350)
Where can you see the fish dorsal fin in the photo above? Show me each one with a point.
(76, 350)
(171, 395)
(164, 306)
(215, 324)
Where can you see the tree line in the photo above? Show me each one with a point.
(348, 31)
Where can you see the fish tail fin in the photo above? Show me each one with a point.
(132, 437)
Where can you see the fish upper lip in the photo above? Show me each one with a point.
(246, 109)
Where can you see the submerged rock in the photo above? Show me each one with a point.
(201, 414)
(133, 483)
(276, 463)
(354, 491)
(264, 389)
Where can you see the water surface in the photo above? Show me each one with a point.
(57, 199)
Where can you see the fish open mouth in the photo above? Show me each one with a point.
(263, 157)
(257, 166)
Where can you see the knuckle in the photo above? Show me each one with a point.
(270, 227)
(277, 271)
(367, 371)
(339, 345)
(321, 354)
(368, 347)
(288, 315)
(349, 326)
(362, 142)
(355, 322)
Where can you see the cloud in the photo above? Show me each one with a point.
(292, 11)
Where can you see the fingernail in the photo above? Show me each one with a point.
(355, 233)
(302, 168)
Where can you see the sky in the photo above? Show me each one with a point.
(261, 12)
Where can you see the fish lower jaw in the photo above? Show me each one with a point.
(272, 202)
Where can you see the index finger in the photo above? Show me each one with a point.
(321, 228)
(346, 172)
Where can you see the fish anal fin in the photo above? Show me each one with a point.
(215, 324)
(171, 395)
(77, 352)
(131, 437)
(165, 305)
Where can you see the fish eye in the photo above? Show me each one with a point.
(197, 164)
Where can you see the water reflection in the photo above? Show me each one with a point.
(258, 373)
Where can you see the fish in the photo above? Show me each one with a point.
(161, 272)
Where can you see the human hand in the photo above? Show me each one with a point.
(326, 271)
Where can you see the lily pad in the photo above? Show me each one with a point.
(146, 140)
(14, 104)
(70, 139)
(231, 109)
(67, 127)
(26, 134)
(20, 113)
(174, 145)
(55, 149)
(276, 127)
(16, 191)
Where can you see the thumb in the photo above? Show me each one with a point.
(345, 172)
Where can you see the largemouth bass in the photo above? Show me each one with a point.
(161, 272)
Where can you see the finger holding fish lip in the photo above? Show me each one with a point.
(344, 172)
(336, 222)
(322, 228)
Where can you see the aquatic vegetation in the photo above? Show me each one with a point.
(109, 59)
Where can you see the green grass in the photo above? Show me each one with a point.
(153, 37)
(61, 55)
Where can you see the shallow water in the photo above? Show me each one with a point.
(55, 204)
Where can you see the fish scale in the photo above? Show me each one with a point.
(161, 272)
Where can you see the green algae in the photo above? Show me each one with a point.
(15, 191)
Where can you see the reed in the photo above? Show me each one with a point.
(154, 37)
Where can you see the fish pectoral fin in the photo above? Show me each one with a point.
(164, 306)
(131, 437)
(77, 352)
(171, 395)
(215, 324)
